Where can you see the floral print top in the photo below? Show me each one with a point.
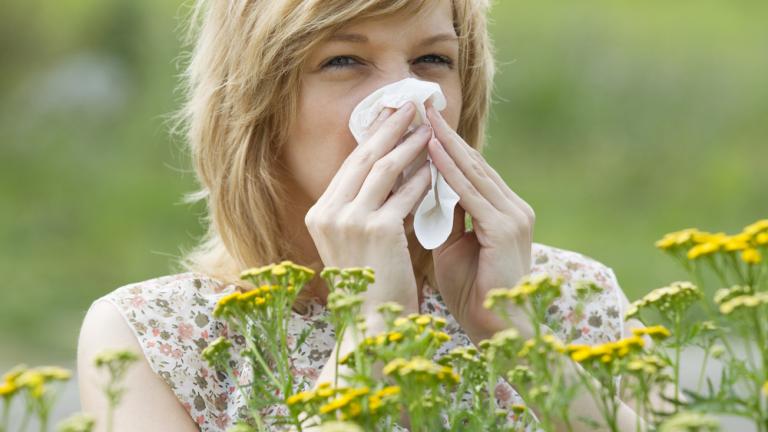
(171, 317)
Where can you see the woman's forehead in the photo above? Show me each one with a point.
(433, 17)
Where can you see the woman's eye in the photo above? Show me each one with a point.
(340, 62)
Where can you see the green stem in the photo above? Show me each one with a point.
(340, 334)
(110, 416)
(703, 368)
(25, 419)
(6, 414)
(256, 415)
(257, 354)
(677, 358)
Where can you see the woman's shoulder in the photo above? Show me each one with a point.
(172, 286)
(588, 316)
(571, 265)
(172, 320)
(591, 318)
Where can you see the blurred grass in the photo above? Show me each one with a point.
(617, 121)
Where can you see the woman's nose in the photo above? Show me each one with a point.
(395, 74)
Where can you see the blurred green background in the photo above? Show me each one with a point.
(617, 121)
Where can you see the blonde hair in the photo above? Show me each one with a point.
(241, 89)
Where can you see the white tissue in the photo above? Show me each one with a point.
(433, 218)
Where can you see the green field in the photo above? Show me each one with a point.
(617, 121)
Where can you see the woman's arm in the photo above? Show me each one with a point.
(148, 403)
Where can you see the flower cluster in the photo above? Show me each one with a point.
(657, 332)
(285, 273)
(257, 299)
(217, 353)
(722, 295)
(528, 287)
(607, 352)
(676, 297)
(699, 244)
(533, 294)
(421, 370)
(37, 386)
(34, 380)
(744, 302)
(343, 402)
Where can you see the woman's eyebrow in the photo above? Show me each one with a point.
(362, 39)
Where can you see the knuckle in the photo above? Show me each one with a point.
(476, 168)
(385, 167)
(310, 219)
(364, 156)
(531, 215)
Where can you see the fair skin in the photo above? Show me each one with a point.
(343, 209)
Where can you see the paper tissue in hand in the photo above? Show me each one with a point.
(433, 218)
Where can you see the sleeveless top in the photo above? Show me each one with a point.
(171, 316)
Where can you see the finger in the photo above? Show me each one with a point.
(469, 198)
(408, 195)
(385, 172)
(383, 115)
(509, 193)
(358, 164)
(470, 162)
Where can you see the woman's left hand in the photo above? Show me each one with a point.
(497, 253)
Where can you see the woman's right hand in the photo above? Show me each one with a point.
(356, 222)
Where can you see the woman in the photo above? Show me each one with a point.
(271, 85)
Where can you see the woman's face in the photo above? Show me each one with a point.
(339, 73)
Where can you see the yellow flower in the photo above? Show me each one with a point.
(737, 242)
(677, 238)
(761, 239)
(765, 388)
(34, 381)
(423, 320)
(300, 397)
(744, 301)
(14, 373)
(529, 285)
(724, 294)
(647, 364)
(256, 271)
(656, 332)
(388, 391)
(606, 352)
(518, 408)
(756, 227)
(279, 270)
(226, 305)
(581, 355)
(421, 369)
(55, 373)
(678, 295)
(394, 336)
(7, 389)
(339, 402)
(703, 249)
(751, 256)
